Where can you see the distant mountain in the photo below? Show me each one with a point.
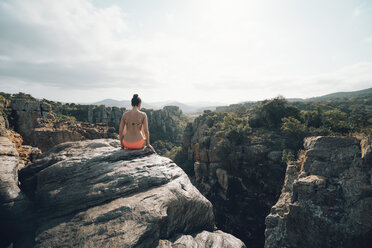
(197, 107)
(120, 104)
(359, 93)
(112, 103)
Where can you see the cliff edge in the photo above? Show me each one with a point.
(92, 194)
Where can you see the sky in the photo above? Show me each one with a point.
(224, 51)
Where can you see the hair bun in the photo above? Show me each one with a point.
(135, 96)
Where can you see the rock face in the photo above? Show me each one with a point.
(241, 190)
(326, 199)
(91, 194)
(36, 122)
(14, 205)
(3, 125)
(166, 124)
(27, 154)
(108, 115)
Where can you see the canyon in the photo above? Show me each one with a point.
(65, 183)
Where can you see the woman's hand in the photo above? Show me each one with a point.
(152, 148)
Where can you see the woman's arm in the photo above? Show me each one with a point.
(121, 131)
(145, 128)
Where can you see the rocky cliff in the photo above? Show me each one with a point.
(36, 123)
(326, 200)
(46, 123)
(14, 205)
(242, 180)
(110, 116)
(92, 194)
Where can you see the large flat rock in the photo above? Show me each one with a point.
(92, 194)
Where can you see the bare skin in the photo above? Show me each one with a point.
(132, 133)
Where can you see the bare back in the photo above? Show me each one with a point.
(133, 121)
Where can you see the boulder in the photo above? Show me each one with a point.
(204, 239)
(92, 194)
(326, 199)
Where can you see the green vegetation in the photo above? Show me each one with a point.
(65, 117)
(237, 126)
(269, 113)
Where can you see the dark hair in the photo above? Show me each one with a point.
(136, 100)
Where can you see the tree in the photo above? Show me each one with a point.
(271, 112)
(336, 120)
(294, 131)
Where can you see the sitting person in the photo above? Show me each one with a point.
(133, 131)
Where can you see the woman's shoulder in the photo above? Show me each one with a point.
(126, 114)
(143, 113)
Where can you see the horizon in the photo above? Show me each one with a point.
(186, 51)
(193, 104)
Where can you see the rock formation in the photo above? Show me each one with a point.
(3, 125)
(326, 199)
(92, 194)
(14, 205)
(27, 154)
(37, 124)
(243, 189)
(166, 124)
(110, 116)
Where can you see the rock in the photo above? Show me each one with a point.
(110, 116)
(166, 124)
(367, 150)
(37, 124)
(27, 154)
(275, 156)
(326, 199)
(14, 206)
(3, 125)
(92, 194)
(204, 239)
(223, 178)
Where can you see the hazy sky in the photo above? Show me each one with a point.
(189, 50)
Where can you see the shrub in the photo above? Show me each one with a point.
(287, 156)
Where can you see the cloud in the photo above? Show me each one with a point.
(68, 43)
(368, 39)
(348, 78)
(184, 50)
(357, 11)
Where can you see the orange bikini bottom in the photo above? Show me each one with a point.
(134, 145)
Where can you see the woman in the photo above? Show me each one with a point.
(134, 131)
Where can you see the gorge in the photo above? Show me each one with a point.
(81, 190)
